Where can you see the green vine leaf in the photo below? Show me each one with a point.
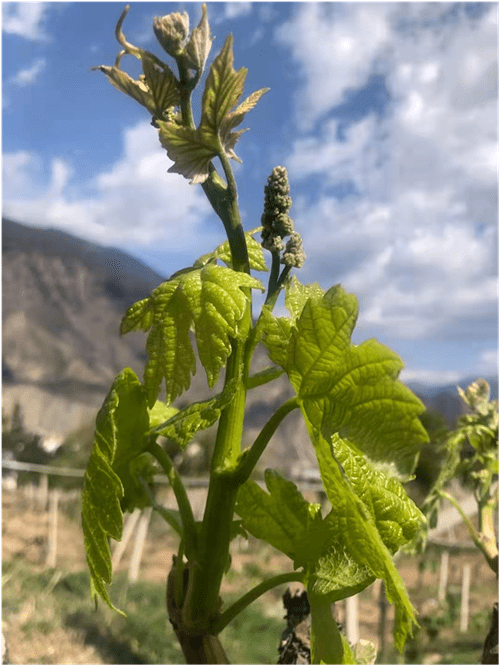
(123, 82)
(276, 333)
(139, 316)
(357, 531)
(353, 389)
(209, 299)
(199, 44)
(223, 252)
(156, 91)
(297, 295)
(279, 517)
(191, 149)
(120, 436)
(183, 426)
(396, 516)
(162, 85)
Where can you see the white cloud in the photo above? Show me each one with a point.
(488, 362)
(233, 10)
(27, 76)
(431, 377)
(335, 45)
(418, 242)
(25, 19)
(135, 202)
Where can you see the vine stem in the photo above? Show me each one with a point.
(491, 554)
(188, 522)
(253, 454)
(248, 598)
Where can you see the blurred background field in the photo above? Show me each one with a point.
(48, 617)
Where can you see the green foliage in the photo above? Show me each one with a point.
(346, 388)
(191, 149)
(479, 430)
(211, 300)
(362, 421)
(182, 427)
(121, 421)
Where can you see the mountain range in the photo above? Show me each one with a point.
(63, 299)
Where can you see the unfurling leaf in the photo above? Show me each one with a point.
(191, 150)
(223, 89)
(199, 44)
(162, 85)
(156, 90)
(349, 389)
(171, 31)
(209, 299)
(138, 90)
(223, 252)
(183, 426)
(120, 437)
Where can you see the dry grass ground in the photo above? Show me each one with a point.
(35, 635)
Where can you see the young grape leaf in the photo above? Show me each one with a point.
(276, 333)
(157, 92)
(212, 300)
(353, 389)
(138, 90)
(396, 516)
(297, 295)
(397, 519)
(191, 149)
(279, 517)
(199, 44)
(183, 426)
(358, 532)
(217, 302)
(169, 350)
(162, 85)
(139, 317)
(120, 435)
(223, 252)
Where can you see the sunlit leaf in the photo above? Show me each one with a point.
(120, 437)
(209, 299)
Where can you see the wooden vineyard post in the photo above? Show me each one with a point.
(43, 492)
(351, 619)
(443, 576)
(142, 532)
(128, 530)
(464, 607)
(53, 520)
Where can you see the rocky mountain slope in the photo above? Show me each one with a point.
(63, 299)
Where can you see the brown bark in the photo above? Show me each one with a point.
(197, 649)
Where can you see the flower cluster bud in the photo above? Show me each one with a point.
(172, 32)
(276, 222)
(294, 254)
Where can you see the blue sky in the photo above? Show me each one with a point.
(385, 115)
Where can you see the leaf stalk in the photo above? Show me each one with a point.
(230, 613)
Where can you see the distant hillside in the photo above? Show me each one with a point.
(63, 299)
(445, 399)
